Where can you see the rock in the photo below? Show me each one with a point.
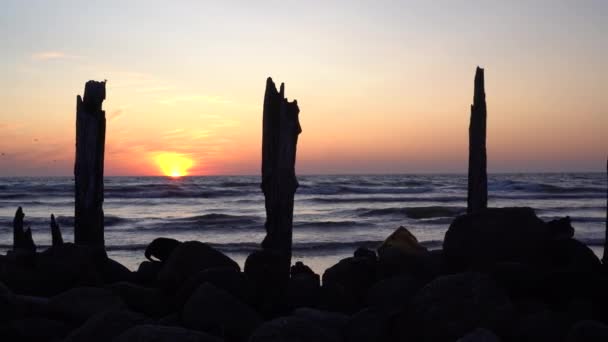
(56, 237)
(404, 241)
(368, 325)
(573, 255)
(106, 325)
(226, 278)
(217, 312)
(147, 272)
(293, 329)
(39, 329)
(480, 335)
(494, 235)
(79, 304)
(161, 248)
(545, 326)
(149, 301)
(561, 228)
(303, 290)
(8, 305)
(159, 333)
(299, 268)
(270, 286)
(450, 306)
(520, 281)
(588, 331)
(393, 294)
(350, 279)
(363, 252)
(112, 271)
(330, 320)
(189, 258)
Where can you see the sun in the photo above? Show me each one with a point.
(173, 164)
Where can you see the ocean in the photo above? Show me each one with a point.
(333, 214)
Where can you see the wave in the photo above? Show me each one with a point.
(215, 219)
(328, 224)
(443, 199)
(512, 185)
(414, 212)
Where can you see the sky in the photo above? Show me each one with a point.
(382, 86)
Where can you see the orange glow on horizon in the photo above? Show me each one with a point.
(173, 164)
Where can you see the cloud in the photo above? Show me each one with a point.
(194, 98)
(115, 114)
(52, 55)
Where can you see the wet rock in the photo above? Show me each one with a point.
(450, 306)
(161, 248)
(495, 235)
(150, 301)
(480, 335)
(106, 325)
(188, 258)
(404, 241)
(350, 280)
(79, 304)
(158, 333)
(401, 253)
(588, 331)
(217, 312)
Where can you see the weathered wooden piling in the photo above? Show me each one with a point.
(18, 233)
(281, 128)
(56, 237)
(88, 168)
(478, 179)
(605, 256)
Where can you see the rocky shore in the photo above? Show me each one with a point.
(502, 275)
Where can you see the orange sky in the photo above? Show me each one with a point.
(382, 89)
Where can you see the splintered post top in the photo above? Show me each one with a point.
(94, 94)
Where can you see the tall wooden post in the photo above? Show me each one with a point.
(18, 232)
(281, 128)
(478, 179)
(605, 256)
(88, 168)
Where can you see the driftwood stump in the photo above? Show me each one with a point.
(88, 168)
(478, 179)
(605, 256)
(56, 237)
(18, 233)
(281, 128)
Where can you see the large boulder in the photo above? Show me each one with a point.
(217, 312)
(545, 326)
(264, 268)
(147, 300)
(479, 335)
(401, 253)
(147, 273)
(160, 249)
(393, 294)
(588, 331)
(189, 258)
(478, 240)
(347, 282)
(79, 304)
(294, 329)
(159, 333)
(304, 287)
(38, 329)
(368, 325)
(450, 306)
(404, 241)
(106, 325)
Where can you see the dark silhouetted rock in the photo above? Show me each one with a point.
(161, 248)
(8, 304)
(451, 306)
(56, 237)
(561, 228)
(496, 235)
(28, 241)
(79, 304)
(158, 333)
(363, 252)
(270, 286)
(106, 325)
(18, 237)
(112, 271)
(228, 279)
(393, 294)
(39, 329)
(150, 301)
(573, 255)
(545, 326)
(401, 253)
(294, 329)
(280, 130)
(368, 325)
(480, 335)
(404, 241)
(588, 331)
(331, 320)
(88, 167)
(189, 258)
(477, 198)
(304, 287)
(147, 272)
(349, 280)
(217, 312)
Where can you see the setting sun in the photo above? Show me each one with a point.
(174, 164)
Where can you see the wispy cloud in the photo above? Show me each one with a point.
(52, 55)
(115, 114)
(172, 100)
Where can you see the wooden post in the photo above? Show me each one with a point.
(88, 168)
(281, 128)
(18, 233)
(55, 232)
(478, 179)
(605, 256)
